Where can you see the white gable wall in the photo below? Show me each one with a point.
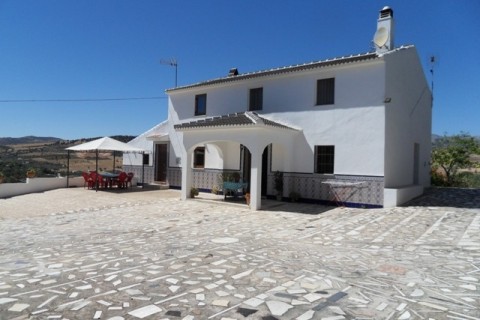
(408, 120)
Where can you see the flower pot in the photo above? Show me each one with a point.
(247, 198)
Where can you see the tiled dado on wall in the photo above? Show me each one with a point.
(174, 177)
(349, 189)
(148, 173)
(203, 179)
(355, 190)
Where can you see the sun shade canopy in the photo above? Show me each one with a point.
(106, 144)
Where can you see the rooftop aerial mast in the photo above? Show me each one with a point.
(171, 62)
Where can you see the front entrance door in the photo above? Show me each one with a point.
(247, 166)
(161, 162)
(264, 171)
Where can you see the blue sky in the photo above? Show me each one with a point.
(110, 49)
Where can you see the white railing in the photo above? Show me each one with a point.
(37, 185)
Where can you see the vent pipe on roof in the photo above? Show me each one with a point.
(383, 38)
(233, 72)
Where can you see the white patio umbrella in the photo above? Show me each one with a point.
(103, 144)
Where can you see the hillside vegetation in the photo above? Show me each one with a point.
(455, 161)
(47, 155)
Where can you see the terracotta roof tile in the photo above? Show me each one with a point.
(247, 118)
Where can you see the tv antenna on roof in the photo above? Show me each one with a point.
(171, 62)
(432, 60)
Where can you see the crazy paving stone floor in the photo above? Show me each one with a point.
(168, 259)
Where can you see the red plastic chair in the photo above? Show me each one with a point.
(97, 179)
(121, 180)
(129, 179)
(87, 180)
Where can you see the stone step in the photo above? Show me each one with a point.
(159, 185)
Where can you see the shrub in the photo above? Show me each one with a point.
(467, 180)
(193, 192)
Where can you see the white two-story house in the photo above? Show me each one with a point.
(354, 130)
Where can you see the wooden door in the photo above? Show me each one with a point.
(161, 157)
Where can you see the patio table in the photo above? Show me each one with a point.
(233, 187)
(109, 177)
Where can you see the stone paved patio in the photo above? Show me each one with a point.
(77, 254)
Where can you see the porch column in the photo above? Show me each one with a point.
(186, 174)
(256, 180)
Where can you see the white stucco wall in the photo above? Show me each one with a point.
(408, 119)
(354, 124)
(230, 155)
(38, 185)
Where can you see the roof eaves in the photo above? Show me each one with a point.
(282, 70)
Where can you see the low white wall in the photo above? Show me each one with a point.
(37, 185)
(396, 197)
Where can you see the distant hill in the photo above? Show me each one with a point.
(49, 157)
(435, 137)
(34, 139)
(27, 140)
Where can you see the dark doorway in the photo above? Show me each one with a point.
(264, 171)
(161, 162)
(247, 166)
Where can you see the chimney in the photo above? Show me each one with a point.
(383, 38)
(233, 72)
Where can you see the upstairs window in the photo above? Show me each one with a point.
(325, 91)
(199, 157)
(324, 159)
(200, 104)
(256, 99)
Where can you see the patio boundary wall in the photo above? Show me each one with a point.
(395, 197)
(38, 185)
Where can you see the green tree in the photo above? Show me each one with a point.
(451, 153)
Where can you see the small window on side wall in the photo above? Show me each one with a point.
(324, 159)
(325, 91)
(200, 104)
(199, 157)
(256, 99)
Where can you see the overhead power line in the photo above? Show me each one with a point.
(80, 100)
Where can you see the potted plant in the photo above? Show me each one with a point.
(193, 192)
(2, 177)
(294, 196)
(216, 190)
(247, 198)
(31, 173)
(278, 184)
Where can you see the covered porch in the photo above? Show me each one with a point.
(247, 130)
